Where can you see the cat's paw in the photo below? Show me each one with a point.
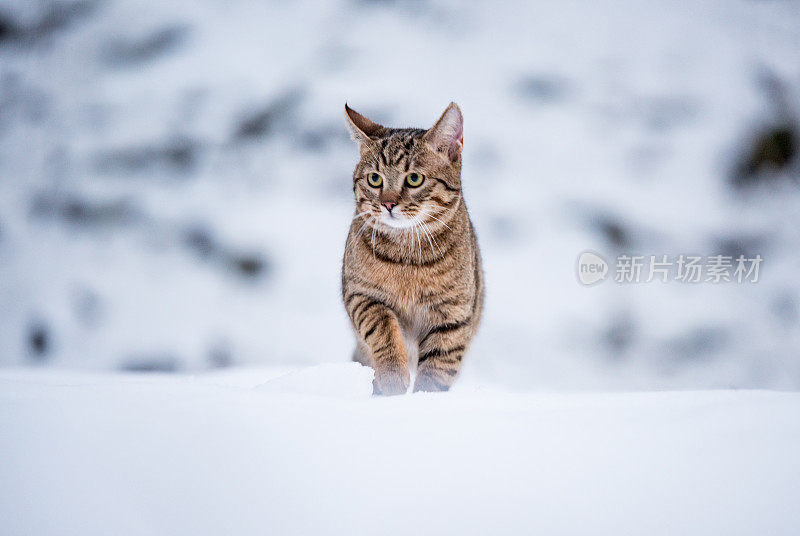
(390, 382)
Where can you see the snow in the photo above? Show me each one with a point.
(220, 453)
(130, 192)
(340, 379)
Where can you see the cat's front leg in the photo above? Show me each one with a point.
(378, 328)
(440, 354)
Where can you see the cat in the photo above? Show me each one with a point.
(412, 281)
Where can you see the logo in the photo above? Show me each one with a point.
(684, 268)
(592, 268)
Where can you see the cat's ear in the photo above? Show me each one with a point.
(446, 137)
(362, 130)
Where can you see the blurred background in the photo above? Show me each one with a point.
(175, 180)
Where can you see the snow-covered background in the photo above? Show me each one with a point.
(174, 180)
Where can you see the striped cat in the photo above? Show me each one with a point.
(412, 282)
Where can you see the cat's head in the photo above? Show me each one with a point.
(406, 175)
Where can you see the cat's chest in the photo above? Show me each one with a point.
(416, 292)
(409, 285)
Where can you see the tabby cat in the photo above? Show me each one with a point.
(412, 282)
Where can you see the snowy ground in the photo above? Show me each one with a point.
(310, 452)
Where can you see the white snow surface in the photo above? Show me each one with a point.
(256, 452)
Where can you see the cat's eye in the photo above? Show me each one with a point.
(374, 180)
(415, 179)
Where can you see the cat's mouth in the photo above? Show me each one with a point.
(396, 219)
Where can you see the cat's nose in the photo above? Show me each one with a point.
(389, 205)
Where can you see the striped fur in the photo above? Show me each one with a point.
(414, 294)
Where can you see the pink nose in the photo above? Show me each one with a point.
(389, 205)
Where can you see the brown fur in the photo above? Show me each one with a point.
(415, 291)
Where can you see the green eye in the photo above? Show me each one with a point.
(374, 180)
(414, 179)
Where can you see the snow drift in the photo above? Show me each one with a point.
(221, 454)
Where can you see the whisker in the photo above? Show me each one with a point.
(428, 236)
(411, 234)
(437, 219)
(412, 231)
(419, 241)
(430, 232)
(374, 229)
(353, 239)
(440, 213)
(410, 257)
(361, 230)
(431, 237)
(440, 209)
(435, 210)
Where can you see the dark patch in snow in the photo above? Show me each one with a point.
(50, 17)
(734, 246)
(179, 154)
(619, 335)
(154, 363)
(7, 27)
(319, 139)
(786, 308)
(263, 121)
(543, 88)
(312, 140)
(697, 343)
(612, 230)
(220, 356)
(83, 212)
(39, 343)
(250, 265)
(771, 151)
(124, 53)
(199, 240)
